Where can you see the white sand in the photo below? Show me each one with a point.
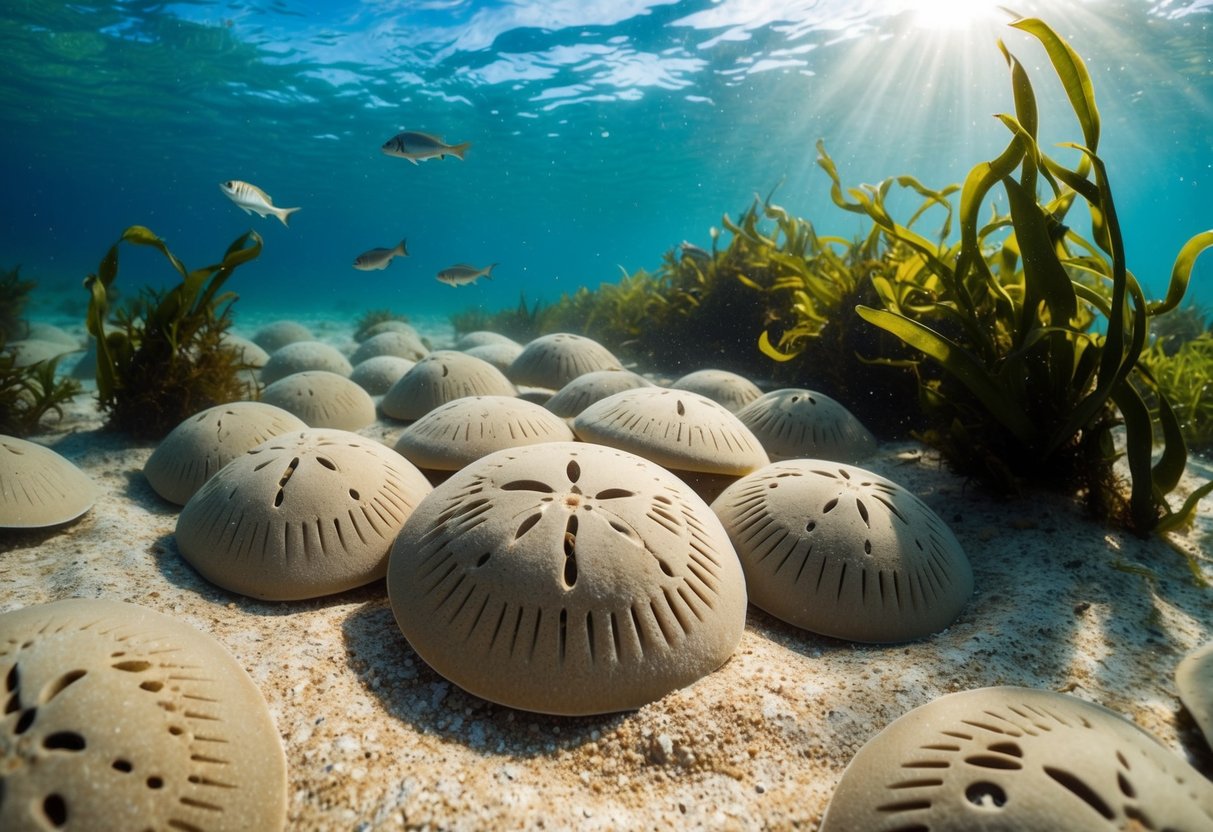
(375, 739)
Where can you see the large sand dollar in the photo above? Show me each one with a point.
(202, 444)
(567, 578)
(301, 356)
(841, 551)
(679, 429)
(589, 388)
(1194, 678)
(116, 717)
(39, 487)
(721, 386)
(1009, 758)
(552, 361)
(322, 400)
(449, 437)
(794, 423)
(301, 515)
(441, 377)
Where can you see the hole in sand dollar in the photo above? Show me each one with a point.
(89, 732)
(64, 741)
(589, 604)
(54, 809)
(986, 795)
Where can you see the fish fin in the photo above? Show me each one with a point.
(404, 249)
(458, 150)
(488, 273)
(411, 159)
(248, 211)
(284, 214)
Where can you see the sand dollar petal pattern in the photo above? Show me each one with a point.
(794, 423)
(301, 515)
(449, 437)
(567, 578)
(729, 389)
(117, 717)
(552, 361)
(39, 487)
(843, 552)
(589, 388)
(1010, 758)
(675, 428)
(440, 377)
(202, 444)
(322, 400)
(376, 375)
(301, 356)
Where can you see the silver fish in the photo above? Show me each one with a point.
(462, 274)
(378, 258)
(252, 199)
(417, 147)
(689, 249)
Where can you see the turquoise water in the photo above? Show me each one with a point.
(602, 132)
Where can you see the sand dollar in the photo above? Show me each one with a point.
(721, 386)
(276, 335)
(841, 551)
(322, 400)
(589, 388)
(1009, 758)
(449, 437)
(376, 375)
(552, 361)
(117, 717)
(1194, 678)
(202, 444)
(441, 377)
(500, 355)
(301, 515)
(567, 578)
(301, 356)
(401, 344)
(39, 487)
(675, 428)
(794, 423)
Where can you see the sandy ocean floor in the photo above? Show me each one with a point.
(374, 739)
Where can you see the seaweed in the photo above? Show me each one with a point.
(165, 358)
(522, 323)
(14, 295)
(1183, 374)
(1031, 390)
(27, 394)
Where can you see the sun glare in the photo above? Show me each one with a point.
(951, 14)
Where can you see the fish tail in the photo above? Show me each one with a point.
(403, 248)
(488, 272)
(284, 214)
(459, 149)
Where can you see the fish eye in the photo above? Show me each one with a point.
(227, 184)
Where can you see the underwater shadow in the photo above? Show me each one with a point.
(411, 691)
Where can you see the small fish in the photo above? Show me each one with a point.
(688, 249)
(417, 147)
(378, 258)
(463, 274)
(252, 199)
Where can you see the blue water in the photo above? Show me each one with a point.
(603, 132)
